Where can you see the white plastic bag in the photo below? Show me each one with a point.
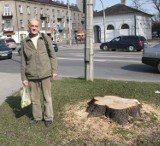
(25, 97)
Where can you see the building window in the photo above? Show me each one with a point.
(49, 25)
(74, 16)
(6, 11)
(28, 10)
(43, 24)
(58, 11)
(47, 20)
(41, 11)
(22, 23)
(125, 26)
(8, 23)
(20, 9)
(47, 12)
(110, 27)
(6, 8)
(35, 11)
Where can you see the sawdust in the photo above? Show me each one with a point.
(99, 128)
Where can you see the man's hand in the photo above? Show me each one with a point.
(25, 82)
(54, 76)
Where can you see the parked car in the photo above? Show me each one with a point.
(151, 56)
(80, 36)
(5, 51)
(55, 46)
(155, 34)
(11, 43)
(129, 43)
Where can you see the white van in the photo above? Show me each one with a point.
(151, 56)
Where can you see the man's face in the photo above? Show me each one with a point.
(34, 27)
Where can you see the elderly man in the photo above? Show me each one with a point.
(38, 68)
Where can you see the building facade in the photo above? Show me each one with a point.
(54, 17)
(121, 20)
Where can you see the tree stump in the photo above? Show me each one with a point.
(114, 107)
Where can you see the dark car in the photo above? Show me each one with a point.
(129, 43)
(155, 34)
(5, 51)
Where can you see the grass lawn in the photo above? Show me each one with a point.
(70, 97)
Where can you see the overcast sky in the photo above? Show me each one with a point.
(108, 3)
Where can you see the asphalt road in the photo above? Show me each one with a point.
(108, 65)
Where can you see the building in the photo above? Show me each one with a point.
(53, 16)
(121, 20)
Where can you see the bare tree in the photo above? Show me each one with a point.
(156, 4)
(153, 4)
(139, 4)
(136, 4)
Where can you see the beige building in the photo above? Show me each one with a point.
(53, 16)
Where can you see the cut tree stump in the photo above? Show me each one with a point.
(114, 107)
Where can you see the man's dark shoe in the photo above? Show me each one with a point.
(32, 122)
(47, 123)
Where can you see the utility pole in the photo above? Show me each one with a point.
(104, 21)
(69, 24)
(17, 19)
(89, 40)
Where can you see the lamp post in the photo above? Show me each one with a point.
(69, 24)
(17, 20)
(104, 21)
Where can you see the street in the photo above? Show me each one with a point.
(107, 65)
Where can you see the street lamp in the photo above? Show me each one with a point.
(104, 21)
(69, 24)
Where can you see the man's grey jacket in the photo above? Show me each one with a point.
(37, 63)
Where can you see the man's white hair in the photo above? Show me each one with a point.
(33, 19)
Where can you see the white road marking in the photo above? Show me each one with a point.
(109, 56)
(100, 60)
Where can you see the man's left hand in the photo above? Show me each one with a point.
(54, 76)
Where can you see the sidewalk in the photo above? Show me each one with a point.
(10, 84)
(80, 45)
(153, 42)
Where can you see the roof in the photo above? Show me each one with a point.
(57, 3)
(119, 9)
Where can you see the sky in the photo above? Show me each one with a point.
(108, 3)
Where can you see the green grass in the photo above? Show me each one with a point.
(14, 127)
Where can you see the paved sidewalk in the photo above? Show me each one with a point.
(75, 46)
(10, 83)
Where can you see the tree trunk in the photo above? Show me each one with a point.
(116, 108)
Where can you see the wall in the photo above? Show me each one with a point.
(143, 26)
